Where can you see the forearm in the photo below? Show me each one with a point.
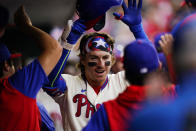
(41, 38)
(50, 49)
(56, 72)
(69, 37)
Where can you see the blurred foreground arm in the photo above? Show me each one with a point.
(166, 45)
(50, 49)
(70, 35)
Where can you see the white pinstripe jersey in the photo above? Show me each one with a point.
(80, 101)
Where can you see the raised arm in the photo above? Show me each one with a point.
(50, 49)
(68, 39)
(166, 45)
(70, 35)
(132, 18)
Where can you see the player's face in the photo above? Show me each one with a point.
(97, 66)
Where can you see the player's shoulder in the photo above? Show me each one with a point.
(118, 77)
(72, 81)
(119, 74)
(71, 77)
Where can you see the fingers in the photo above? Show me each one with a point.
(21, 18)
(163, 47)
(140, 4)
(124, 6)
(163, 39)
(166, 43)
(170, 38)
(134, 3)
(20, 11)
(130, 3)
(161, 43)
(167, 39)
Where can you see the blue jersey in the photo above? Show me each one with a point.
(117, 114)
(174, 116)
(18, 107)
(47, 123)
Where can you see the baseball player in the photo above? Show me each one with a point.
(178, 115)
(140, 59)
(18, 108)
(82, 95)
(163, 44)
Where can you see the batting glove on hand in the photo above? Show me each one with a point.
(132, 15)
(78, 28)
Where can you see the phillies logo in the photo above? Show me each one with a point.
(82, 102)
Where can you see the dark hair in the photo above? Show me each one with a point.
(4, 16)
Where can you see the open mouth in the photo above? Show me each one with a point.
(99, 71)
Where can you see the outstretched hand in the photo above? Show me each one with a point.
(132, 13)
(21, 18)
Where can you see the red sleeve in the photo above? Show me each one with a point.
(120, 111)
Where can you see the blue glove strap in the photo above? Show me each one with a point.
(56, 72)
(138, 32)
(76, 31)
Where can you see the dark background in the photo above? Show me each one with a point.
(44, 14)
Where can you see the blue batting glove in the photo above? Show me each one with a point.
(132, 15)
(57, 89)
(78, 28)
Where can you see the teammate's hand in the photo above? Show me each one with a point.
(166, 43)
(78, 28)
(21, 18)
(132, 14)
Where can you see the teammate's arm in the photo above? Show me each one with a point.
(99, 121)
(50, 49)
(166, 45)
(30, 79)
(68, 39)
